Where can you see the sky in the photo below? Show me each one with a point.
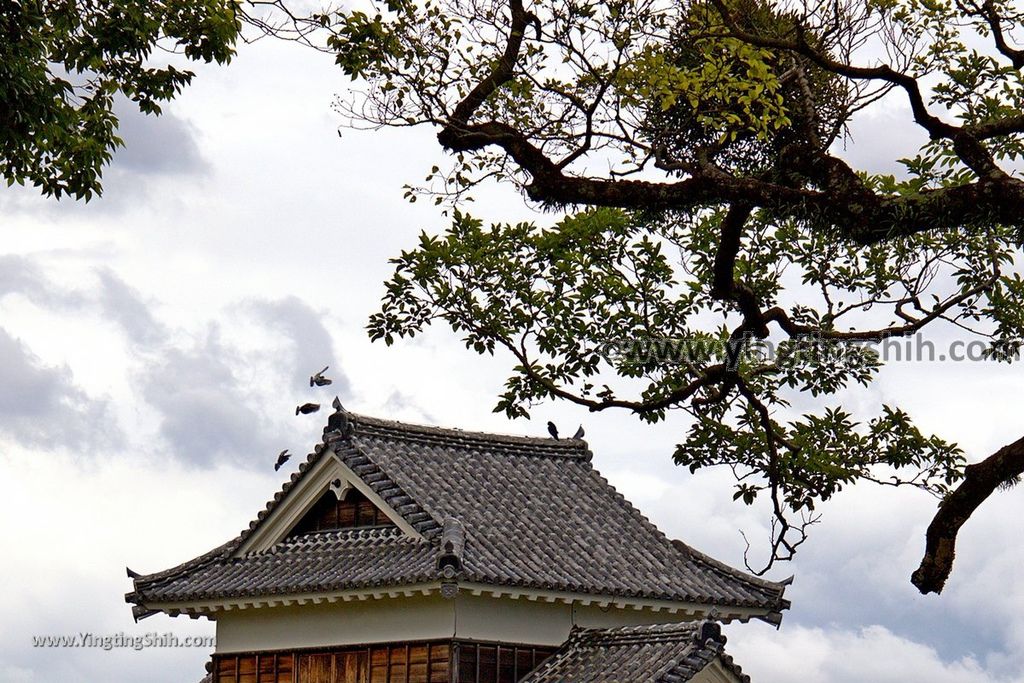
(155, 342)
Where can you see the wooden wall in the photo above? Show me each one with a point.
(399, 663)
(265, 668)
(434, 662)
(355, 511)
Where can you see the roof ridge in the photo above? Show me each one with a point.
(166, 575)
(324, 446)
(738, 574)
(373, 473)
(360, 531)
(315, 540)
(680, 632)
(667, 653)
(666, 627)
(293, 479)
(574, 448)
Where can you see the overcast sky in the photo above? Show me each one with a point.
(154, 343)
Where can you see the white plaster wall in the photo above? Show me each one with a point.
(341, 623)
(512, 621)
(418, 618)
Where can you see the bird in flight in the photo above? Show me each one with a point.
(307, 408)
(579, 434)
(319, 380)
(282, 458)
(552, 429)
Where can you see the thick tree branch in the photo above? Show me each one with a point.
(980, 481)
(840, 199)
(503, 70)
(988, 11)
(997, 128)
(795, 179)
(936, 127)
(861, 216)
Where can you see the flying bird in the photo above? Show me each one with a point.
(579, 434)
(319, 380)
(307, 408)
(282, 458)
(552, 429)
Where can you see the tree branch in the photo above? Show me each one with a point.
(980, 481)
(987, 11)
(842, 201)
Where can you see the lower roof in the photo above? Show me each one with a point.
(664, 653)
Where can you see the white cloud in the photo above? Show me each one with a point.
(39, 402)
(830, 655)
(197, 301)
(156, 145)
(124, 306)
(87, 524)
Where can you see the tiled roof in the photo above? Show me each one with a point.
(526, 512)
(664, 653)
(315, 562)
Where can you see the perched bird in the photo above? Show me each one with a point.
(282, 458)
(552, 429)
(579, 433)
(319, 380)
(307, 408)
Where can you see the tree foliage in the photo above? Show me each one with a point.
(703, 140)
(63, 64)
(608, 310)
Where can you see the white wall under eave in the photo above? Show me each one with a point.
(340, 623)
(506, 620)
(535, 622)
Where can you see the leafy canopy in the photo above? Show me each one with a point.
(714, 214)
(609, 309)
(62, 65)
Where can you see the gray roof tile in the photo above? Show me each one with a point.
(535, 514)
(663, 653)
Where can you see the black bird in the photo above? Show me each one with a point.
(282, 458)
(319, 380)
(307, 408)
(552, 429)
(579, 434)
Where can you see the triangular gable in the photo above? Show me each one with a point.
(302, 497)
(341, 507)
